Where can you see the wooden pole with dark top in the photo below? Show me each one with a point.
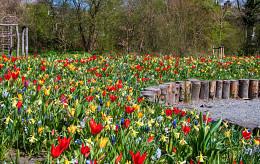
(212, 89)
(226, 89)
(204, 90)
(234, 89)
(182, 90)
(253, 88)
(18, 41)
(219, 86)
(243, 88)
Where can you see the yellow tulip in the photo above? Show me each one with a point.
(46, 92)
(72, 129)
(72, 111)
(103, 142)
(40, 130)
(108, 103)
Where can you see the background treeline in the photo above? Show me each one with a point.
(181, 27)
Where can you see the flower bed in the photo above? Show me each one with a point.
(88, 110)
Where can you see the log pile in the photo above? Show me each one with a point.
(173, 93)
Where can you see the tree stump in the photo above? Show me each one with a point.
(226, 89)
(195, 90)
(187, 97)
(212, 89)
(182, 90)
(219, 86)
(234, 89)
(253, 88)
(204, 90)
(243, 88)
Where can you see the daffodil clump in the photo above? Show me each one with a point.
(89, 110)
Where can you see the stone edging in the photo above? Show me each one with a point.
(173, 93)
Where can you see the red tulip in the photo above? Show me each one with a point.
(183, 113)
(129, 110)
(150, 139)
(1, 79)
(19, 104)
(176, 111)
(118, 158)
(206, 120)
(104, 93)
(95, 129)
(56, 151)
(64, 143)
(137, 158)
(8, 76)
(246, 134)
(168, 112)
(84, 149)
(113, 98)
(43, 68)
(89, 98)
(140, 100)
(15, 75)
(185, 129)
(34, 82)
(127, 123)
(38, 88)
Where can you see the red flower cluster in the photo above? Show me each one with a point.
(246, 134)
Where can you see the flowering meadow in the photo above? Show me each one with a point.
(89, 110)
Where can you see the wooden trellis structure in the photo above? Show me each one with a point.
(8, 34)
(219, 50)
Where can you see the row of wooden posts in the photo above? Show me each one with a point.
(173, 93)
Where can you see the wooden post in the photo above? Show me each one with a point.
(204, 90)
(182, 90)
(11, 41)
(26, 41)
(219, 85)
(243, 88)
(195, 90)
(172, 93)
(18, 41)
(165, 93)
(253, 88)
(212, 89)
(226, 89)
(187, 91)
(156, 91)
(177, 94)
(23, 40)
(234, 89)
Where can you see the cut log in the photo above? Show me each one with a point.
(204, 90)
(187, 91)
(156, 91)
(226, 89)
(212, 89)
(148, 95)
(165, 97)
(243, 88)
(219, 86)
(253, 88)
(234, 89)
(195, 90)
(182, 90)
(171, 97)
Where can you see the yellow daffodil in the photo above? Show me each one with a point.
(200, 158)
(93, 108)
(7, 120)
(139, 123)
(256, 142)
(140, 114)
(134, 133)
(176, 135)
(32, 139)
(183, 142)
(164, 138)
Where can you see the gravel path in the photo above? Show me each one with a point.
(244, 113)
